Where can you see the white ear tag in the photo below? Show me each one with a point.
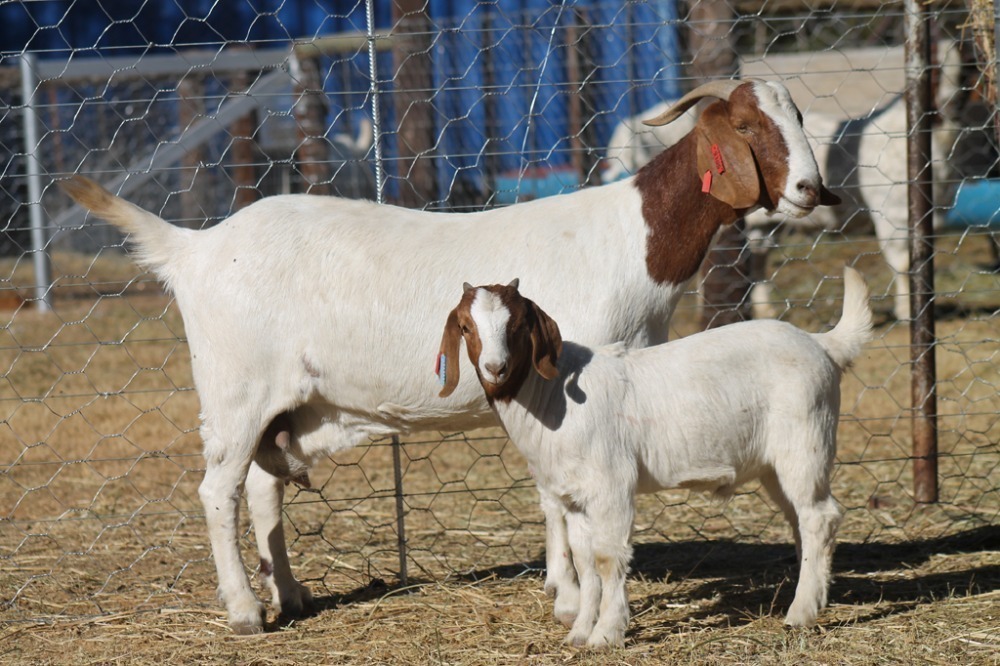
(441, 368)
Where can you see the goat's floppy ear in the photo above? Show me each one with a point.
(726, 165)
(546, 343)
(448, 356)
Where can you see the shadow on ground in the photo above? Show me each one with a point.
(729, 583)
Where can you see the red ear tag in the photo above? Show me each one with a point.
(717, 156)
(706, 182)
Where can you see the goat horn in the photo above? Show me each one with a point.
(721, 89)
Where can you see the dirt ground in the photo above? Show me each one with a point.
(104, 557)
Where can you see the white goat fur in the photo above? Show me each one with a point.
(755, 400)
(309, 306)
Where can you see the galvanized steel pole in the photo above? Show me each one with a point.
(921, 204)
(397, 447)
(33, 171)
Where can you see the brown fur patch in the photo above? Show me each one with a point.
(683, 220)
(604, 565)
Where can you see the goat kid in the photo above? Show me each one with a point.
(755, 400)
(284, 302)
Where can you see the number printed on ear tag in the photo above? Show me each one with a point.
(720, 167)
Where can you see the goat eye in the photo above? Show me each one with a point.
(743, 128)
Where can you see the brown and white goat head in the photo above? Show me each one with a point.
(751, 148)
(506, 336)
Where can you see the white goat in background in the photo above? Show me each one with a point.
(755, 400)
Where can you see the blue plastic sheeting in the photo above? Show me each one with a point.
(55, 28)
(977, 204)
(501, 74)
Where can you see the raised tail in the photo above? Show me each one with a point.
(854, 329)
(157, 243)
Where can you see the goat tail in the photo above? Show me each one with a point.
(854, 329)
(157, 242)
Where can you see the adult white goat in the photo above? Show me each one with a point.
(755, 400)
(306, 309)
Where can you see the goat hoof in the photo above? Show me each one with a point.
(576, 639)
(250, 622)
(606, 639)
(800, 618)
(567, 607)
(299, 603)
(566, 619)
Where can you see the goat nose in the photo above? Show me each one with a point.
(809, 190)
(496, 369)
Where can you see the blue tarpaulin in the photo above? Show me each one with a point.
(501, 72)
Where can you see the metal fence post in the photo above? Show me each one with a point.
(33, 171)
(921, 203)
(397, 473)
(397, 468)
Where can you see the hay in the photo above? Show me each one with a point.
(105, 557)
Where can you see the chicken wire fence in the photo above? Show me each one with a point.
(196, 109)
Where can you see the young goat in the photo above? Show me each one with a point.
(756, 400)
(304, 308)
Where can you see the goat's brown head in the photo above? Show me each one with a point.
(751, 148)
(506, 336)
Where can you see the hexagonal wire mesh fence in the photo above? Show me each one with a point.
(194, 114)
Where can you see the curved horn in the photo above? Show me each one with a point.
(721, 89)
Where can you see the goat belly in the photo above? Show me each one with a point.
(719, 480)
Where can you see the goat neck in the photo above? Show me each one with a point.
(682, 219)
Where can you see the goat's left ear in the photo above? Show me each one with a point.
(727, 157)
(546, 343)
(449, 354)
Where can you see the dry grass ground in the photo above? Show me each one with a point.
(103, 556)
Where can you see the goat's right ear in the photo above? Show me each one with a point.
(448, 356)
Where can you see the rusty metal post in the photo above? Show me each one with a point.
(921, 208)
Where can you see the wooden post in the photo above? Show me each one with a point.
(243, 151)
(412, 102)
(726, 271)
(581, 105)
(312, 155)
(191, 108)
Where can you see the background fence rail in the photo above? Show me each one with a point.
(194, 112)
